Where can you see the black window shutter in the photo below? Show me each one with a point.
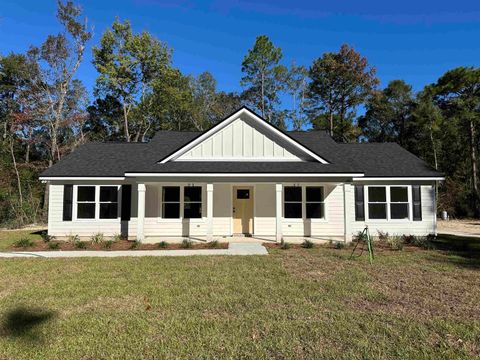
(417, 202)
(359, 203)
(67, 202)
(126, 202)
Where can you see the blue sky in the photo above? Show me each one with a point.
(412, 40)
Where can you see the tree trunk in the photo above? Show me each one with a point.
(263, 96)
(19, 181)
(125, 118)
(473, 160)
(433, 148)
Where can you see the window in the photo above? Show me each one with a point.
(192, 202)
(398, 202)
(243, 194)
(293, 202)
(86, 202)
(314, 203)
(105, 200)
(171, 202)
(377, 202)
(388, 202)
(108, 202)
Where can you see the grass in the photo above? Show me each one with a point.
(295, 303)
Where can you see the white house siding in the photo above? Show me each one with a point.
(238, 140)
(400, 227)
(332, 225)
(264, 211)
(222, 209)
(264, 215)
(84, 228)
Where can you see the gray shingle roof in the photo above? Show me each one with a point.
(115, 159)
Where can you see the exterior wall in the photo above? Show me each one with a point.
(333, 225)
(400, 227)
(264, 210)
(238, 140)
(83, 227)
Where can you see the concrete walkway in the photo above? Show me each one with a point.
(233, 249)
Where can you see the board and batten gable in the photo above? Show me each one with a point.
(241, 140)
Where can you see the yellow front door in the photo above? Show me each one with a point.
(243, 210)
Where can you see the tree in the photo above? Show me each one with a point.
(457, 93)
(387, 114)
(296, 86)
(55, 97)
(128, 65)
(16, 72)
(339, 83)
(263, 77)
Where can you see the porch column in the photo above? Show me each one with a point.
(141, 212)
(348, 208)
(209, 212)
(278, 212)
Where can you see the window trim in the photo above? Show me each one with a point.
(304, 203)
(161, 219)
(388, 202)
(97, 203)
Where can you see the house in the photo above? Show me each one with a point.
(241, 177)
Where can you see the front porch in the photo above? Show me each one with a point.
(241, 211)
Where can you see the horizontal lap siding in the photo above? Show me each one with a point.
(264, 197)
(84, 228)
(222, 209)
(333, 225)
(424, 227)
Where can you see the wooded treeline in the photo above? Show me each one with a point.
(46, 112)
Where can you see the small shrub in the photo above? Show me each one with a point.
(408, 239)
(339, 245)
(81, 244)
(285, 246)
(23, 243)
(423, 242)
(117, 237)
(54, 245)
(73, 238)
(97, 238)
(186, 244)
(382, 235)
(163, 244)
(307, 244)
(213, 244)
(134, 245)
(431, 238)
(107, 244)
(395, 242)
(45, 237)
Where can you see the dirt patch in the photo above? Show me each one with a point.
(116, 245)
(470, 227)
(416, 292)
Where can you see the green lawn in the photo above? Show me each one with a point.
(296, 303)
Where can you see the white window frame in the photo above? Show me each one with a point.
(97, 202)
(182, 203)
(304, 203)
(109, 202)
(388, 203)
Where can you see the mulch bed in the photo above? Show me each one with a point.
(117, 245)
